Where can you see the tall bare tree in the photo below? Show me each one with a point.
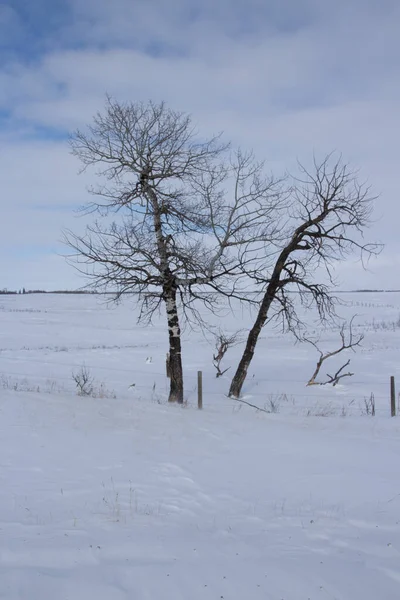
(191, 215)
(329, 211)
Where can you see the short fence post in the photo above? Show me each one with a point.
(392, 397)
(199, 389)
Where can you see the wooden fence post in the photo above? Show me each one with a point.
(392, 397)
(199, 389)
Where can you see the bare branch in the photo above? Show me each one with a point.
(334, 379)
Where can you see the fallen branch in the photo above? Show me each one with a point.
(251, 405)
(350, 344)
(222, 343)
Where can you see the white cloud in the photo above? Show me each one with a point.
(285, 81)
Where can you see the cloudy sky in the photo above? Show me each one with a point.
(287, 78)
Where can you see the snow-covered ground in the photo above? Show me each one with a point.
(121, 496)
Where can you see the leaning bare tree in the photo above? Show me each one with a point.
(187, 212)
(329, 210)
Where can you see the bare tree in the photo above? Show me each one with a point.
(348, 342)
(188, 210)
(329, 211)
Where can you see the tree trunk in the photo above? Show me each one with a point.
(270, 295)
(241, 372)
(175, 356)
(169, 297)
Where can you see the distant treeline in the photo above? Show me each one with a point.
(6, 292)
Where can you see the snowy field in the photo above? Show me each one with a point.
(122, 497)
